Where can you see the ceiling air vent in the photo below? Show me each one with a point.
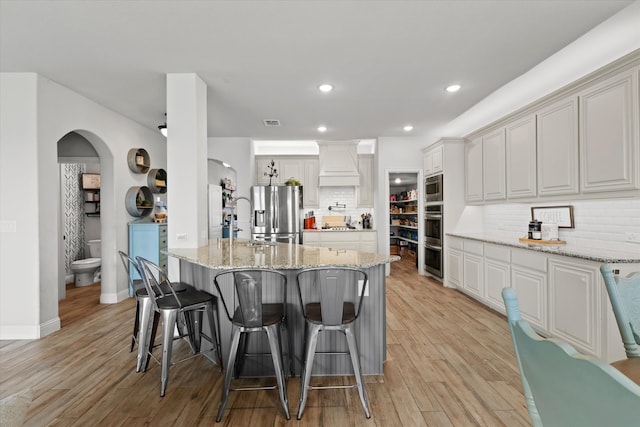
(271, 122)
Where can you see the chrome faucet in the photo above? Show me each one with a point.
(234, 210)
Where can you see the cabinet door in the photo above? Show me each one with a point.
(609, 156)
(493, 166)
(365, 190)
(310, 197)
(472, 275)
(496, 277)
(437, 161)
(473, 170)
(558, 148)
(573, 304)
(453, 268)
(531, 287)
(428, 163)
(146, 240)
(290, 168)
(521, 158)
(262, 168)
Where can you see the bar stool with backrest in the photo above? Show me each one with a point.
(143, 305)
(191, 304)
(624, 294)
(331, 301)
(259, 305)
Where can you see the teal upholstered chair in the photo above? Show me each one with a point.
(565, 388)
(624, 294)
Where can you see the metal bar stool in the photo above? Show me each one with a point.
(190, 304)
(143, 305)
(331, 300)
(259, 305)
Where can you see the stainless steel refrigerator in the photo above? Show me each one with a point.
(276, 213)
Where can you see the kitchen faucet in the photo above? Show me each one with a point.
(234, 210)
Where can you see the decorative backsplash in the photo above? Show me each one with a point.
(598, 223)
(329, 196)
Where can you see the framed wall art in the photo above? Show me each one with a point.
(561, 215)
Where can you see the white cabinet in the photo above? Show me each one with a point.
(263, 170)
(497, 274)
(557, 148)
(472, 269)
(433, 161)
(360, 241)
(310, 198)
(473, 170)
(521, 158)
(493, 166)
(453, 264)
(609, 146)
(529, 280)
(573, 303)
(364, 192)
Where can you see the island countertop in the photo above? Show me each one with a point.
(241, 253)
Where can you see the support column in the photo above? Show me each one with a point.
(186, 162)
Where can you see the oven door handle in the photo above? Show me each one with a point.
(438, 248)
(433, 216)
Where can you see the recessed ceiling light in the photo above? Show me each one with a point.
(397, 181)
(325, 87)
(408, 128)
(322, 128)
(453, 88)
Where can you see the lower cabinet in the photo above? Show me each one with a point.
(472, 269)
(147, 239)
(573, 303)
(560, 296)
(360, 241)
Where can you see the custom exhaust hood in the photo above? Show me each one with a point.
(338, 164)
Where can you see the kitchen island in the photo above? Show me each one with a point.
(198, 267)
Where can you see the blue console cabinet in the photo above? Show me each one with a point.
(147, 239)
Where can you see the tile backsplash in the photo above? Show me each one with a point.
(329, 196)
(598, 223)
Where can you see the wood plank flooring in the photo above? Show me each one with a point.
(449, 363)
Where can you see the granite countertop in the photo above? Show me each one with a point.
(241, 253)
(571, 250)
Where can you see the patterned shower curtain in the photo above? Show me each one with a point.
(73, 213)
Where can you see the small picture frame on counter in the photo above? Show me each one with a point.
(561, 215)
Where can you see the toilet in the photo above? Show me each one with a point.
(85, 270)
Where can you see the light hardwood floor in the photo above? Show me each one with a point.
(449, 363)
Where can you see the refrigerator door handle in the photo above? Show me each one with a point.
(276, 218)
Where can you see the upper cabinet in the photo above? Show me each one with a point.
(364, 193)
(311, 168)
(473, 170)
(582, 140)
(609, 147)
(433, 161)
(558, 148)
(264, 169)
(493, 166)
(520, 141)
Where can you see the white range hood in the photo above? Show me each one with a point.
(338, 164)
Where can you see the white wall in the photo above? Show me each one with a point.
(35, 114)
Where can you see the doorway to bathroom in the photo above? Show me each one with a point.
(79, 166)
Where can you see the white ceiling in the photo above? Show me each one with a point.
(389, 60)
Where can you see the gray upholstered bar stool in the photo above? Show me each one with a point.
(143, 305)
(190, 305)
(331, 300)
(256, 302)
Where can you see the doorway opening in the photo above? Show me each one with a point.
(405, 216)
